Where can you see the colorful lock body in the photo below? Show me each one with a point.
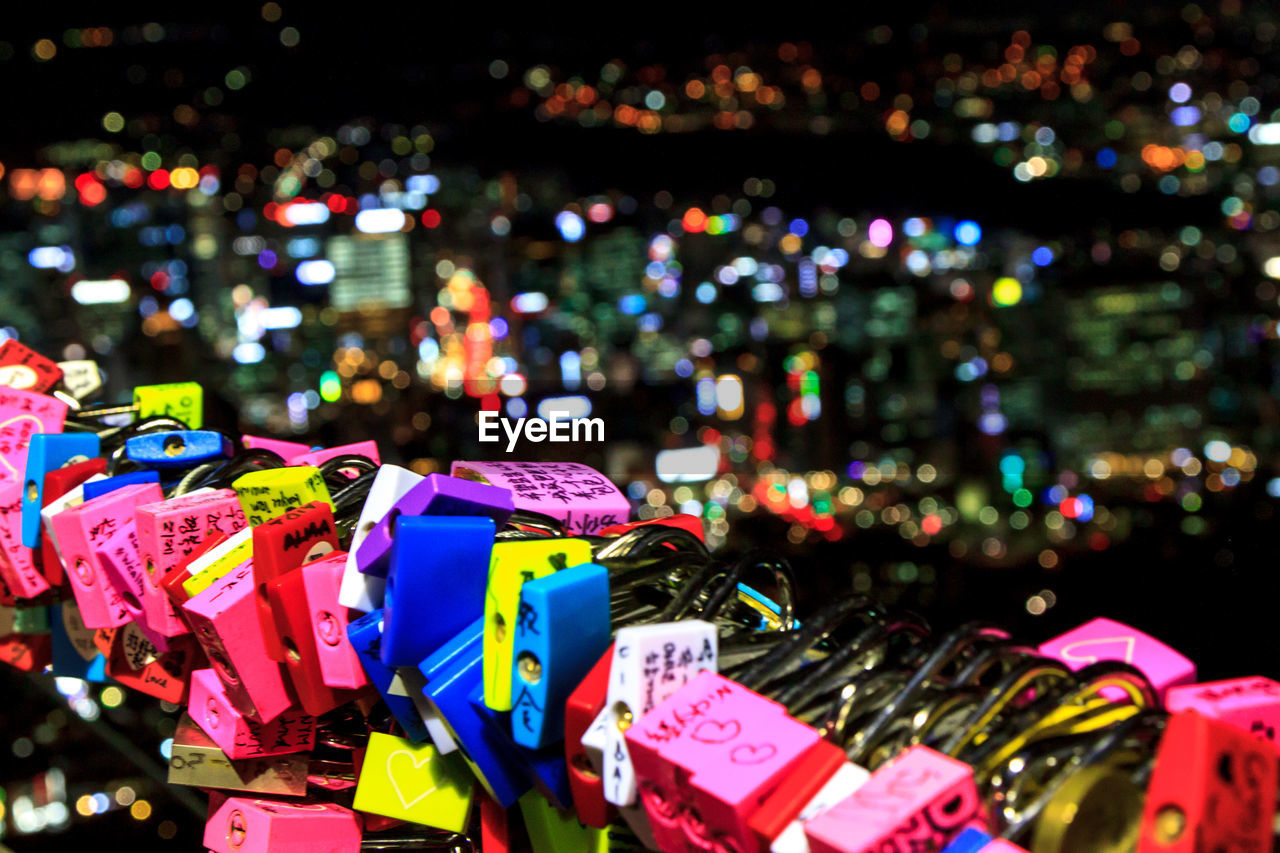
(24, 368)
(552, 829)
(1213, 788)
(98, 488)
(581, 710)
(650, 663)
(251, 825)
(316, 458)
(18, 563)
(26, 652)
(453, 676)
(170, 531)
(181, 400)
(707, 756)
(972, 840)
(79, 531)
(271, 493)
(545, 768)
(414, 782)
(208, 563)
(1251, 704)
(435, 494)
(281, 545)
(576, 495)
(1105, 639)
(237, 735)
(312, 628)
(920, 799)
(360, 591)
(822, 778)
(439, 565)
(57, 484)
(135, 662)
(196, 760)
(286, 450)
(121, 565)
(74, 652)
(23, 414)
(81, 377)
(178, 448)
(562, 628)
(224, 619)
(48, 453)
(513, 564)
(683, 521)
(365, 637)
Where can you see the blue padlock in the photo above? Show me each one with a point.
(562, 630)
(439, 565)
(454, 675)
(970, 841)
(48, 452)
(365, 635)
(545, 767)
(98, 488)
(74, 656)
(180, 448)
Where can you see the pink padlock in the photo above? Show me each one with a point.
(315, 458)
(1252, 703)
(80, 530)
(920, 800)
(22, 415)
(286, 450)
(168, 532)
(340, 667)
(250, 825)
(237, 735)
(999, 845)
(17, 561)
(224, 618)
(117, 557)
(1105, 639)
(708, 756)
(576, 495)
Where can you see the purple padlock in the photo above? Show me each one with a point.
(437, 494)
(578, 496)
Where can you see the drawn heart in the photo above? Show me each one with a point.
(713, 731)
(4, 460)
(1122, 648)
(748, 754)
(413, 765)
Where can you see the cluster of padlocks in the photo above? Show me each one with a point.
(499, 658)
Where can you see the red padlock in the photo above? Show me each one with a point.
(133, 661)
(684, 521)
(56, 484)
(583, 706)
(284, 543)
(27, 652)
(22, 367)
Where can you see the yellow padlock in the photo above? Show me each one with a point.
(268, 494)
(214, 564)
(414, 782)
(181, 400)
(553, 830)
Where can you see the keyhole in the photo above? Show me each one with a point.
(174, 445)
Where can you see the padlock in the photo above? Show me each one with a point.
(435, 494)
(196, 760)
(683, 521)
(438, 564)
(178, 448)
(581, 710)
(707, 756)
(361, 591)
(453, 675)
(239, 737)
(1251, 704)
(495, 830)
(208, 563)
(822, 778)
(1105, 639)
(74, 652)
(24, 368)
(254, 825)
(49, 453)
(414, 782)
(552, 829)
(365, 637)
(168, 532)
(181, 400)
(224, 619)
(921, 799)
(512, 564)
(26, 652)
(117, 556)
(367, 449)
(135, 662)
(281, 545)
(81, 377)
(109, 484)
(1213, 788)
(562, 628)
(272, 492)
(545, 768)
(286, 450)
(18, 562)
(78, 531)
(972, 840)
(57, 483)
(22, 415)
(576, 495)
(312, 628)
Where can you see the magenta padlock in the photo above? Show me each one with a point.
(224, 618)
(79, 531)
(1251, 704)
(118, 559)
(22, 415)
(17, 561)
(316, 458)
(576, 495)
(286, 450)
(1106, 639)
(247, 825)
(237, 735)
(340, 667)
(168, 532)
